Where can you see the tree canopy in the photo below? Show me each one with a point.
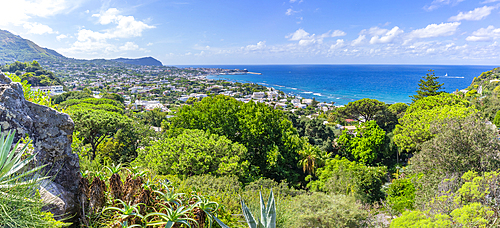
(94, 101)
(428, 86)
(365, 109)
(96, 125)
(459, 145)
(195, 152)
(269, 136)
(366, 146)
(413, 128)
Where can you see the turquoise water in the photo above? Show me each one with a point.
(345, 83)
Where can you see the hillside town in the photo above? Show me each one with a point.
(150, 87)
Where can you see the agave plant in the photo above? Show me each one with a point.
(137, 172)
(115, 181)
(169, 196)
(209, 207)
(11, 163)
(127, 211)
(267, 213)
(114, 168)
(169, 217)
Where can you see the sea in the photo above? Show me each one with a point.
(342, 84)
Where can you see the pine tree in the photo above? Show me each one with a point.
(428, 86)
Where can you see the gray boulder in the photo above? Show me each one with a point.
(51, 132)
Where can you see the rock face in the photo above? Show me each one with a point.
(51, 132)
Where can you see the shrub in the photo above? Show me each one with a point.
(401, 194)
(194, 152)
(460, 145)
(105, 107)
(474, 204)
(367, 145)
(323, 210)
(419, 219)
(94, 101)
(341, 176)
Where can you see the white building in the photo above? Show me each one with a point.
(52, 90)
(283, 105)
(272, 95)
(150, 105)
(258, 95)
(307, 101)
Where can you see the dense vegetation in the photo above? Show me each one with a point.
(433, 162)
(33, 73)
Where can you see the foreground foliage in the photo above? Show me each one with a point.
(267, 213)
(341, 176)
(20, 201)
(474, 204)
(141, 200)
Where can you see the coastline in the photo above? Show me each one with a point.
(343, 84)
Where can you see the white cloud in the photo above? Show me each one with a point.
(306, 39)
(359, 40)
(149, 44)
(435, 30)
(89, 41)
(126, 27)
(338, 33)
(37, 28)
(386, 37)
(26, 12)
(129, 46)
(290, 12)
(339, 44)
(202, 53)
(91, 47)
(298, 35)
(19, 12)
(485, 34)
(62, 36)
(438, 3)
(307, 42)
(374, 31)
(259, 46)
(478, 38)
(474, 15)
(490, 1)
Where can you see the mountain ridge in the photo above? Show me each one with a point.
(15, 48)
(145, 61)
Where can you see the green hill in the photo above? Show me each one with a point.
(146, 61)
(488, 83)
(15, 48)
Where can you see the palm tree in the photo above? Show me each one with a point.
(312, 158)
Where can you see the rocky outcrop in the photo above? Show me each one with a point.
(51, 132)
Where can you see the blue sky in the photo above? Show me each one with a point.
(190, 32)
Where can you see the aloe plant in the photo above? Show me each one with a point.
(114, 168)
(267, 213)
(127, 210)
(169, 196)
(209, 207)
(171, 216)
(11, 163)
